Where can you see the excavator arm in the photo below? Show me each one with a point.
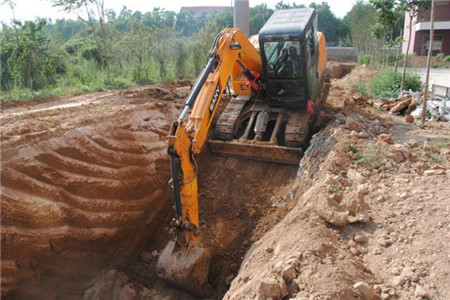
(183, 262)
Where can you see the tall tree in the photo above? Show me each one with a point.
(333, 27)
(360, 20)
(95, 13)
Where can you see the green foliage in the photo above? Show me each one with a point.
(364, 59)
(361, 20)
(29, 59)
(440, 56)
(334, 189)
(387, 84)
(103, 49)
(434, 65)
(369, 156)
(447, 58)
(333, 28)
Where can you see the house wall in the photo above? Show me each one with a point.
(442, 13)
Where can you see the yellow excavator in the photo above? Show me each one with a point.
(277, 89)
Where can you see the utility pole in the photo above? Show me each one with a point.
(430, 53)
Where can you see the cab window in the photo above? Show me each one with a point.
(283, 59)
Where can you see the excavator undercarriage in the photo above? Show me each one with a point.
(253, 129)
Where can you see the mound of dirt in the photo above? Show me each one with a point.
(84, 186)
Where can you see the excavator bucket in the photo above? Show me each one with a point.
(186, 268)
(261, 152)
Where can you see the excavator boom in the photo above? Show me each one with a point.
(183, 262)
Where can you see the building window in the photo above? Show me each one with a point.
(437, 44)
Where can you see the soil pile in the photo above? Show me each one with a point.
(371, 215)
(84, 181)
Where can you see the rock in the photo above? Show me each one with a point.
(272, 288)
(161, 89)
(167, 97)
(421, 292)
(412, 143)
(337, 197)
(363, 134)
(182, 91)
(395, 271)
(155, 254)
(245, 243)
(332, 212)
(360, 238)
(355, 177)
(146, 256)
(399, 153)
(353, 125)
(354, 203)
(444, 151)
(429, 172)
(384, 137)
(229, 279)
(289, 273)
(364, 290)
(397, 281)
(409, 119)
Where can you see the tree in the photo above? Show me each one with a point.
(413, 8)
(258, 17)
(28, 60)
(161, 48)
(430, 53)
(333, 28)
(95, 12)
(360, 20)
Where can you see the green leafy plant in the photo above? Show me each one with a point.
(369, 156)
(387, 84)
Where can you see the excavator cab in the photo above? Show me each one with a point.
(289, 53)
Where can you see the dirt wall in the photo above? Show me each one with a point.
(76, 201)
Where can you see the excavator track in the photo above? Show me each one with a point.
(225, 125)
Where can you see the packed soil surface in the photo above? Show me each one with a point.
(86, 204)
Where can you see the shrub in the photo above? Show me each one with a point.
(387, 84)
(447, 58)
(440, 56)
(364, 59)
(434, 66)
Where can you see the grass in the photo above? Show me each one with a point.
(369, 156)
(334, 189)
(387, 84)
(441, 143)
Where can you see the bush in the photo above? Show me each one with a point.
(364, 59)
(440, 56)
(387, 84)
(447, 58)
(434, 66)
(118, 83)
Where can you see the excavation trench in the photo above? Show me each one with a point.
(236, 196)
(84, 191)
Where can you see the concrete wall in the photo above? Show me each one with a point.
(342, 53)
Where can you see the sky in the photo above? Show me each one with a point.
(30, 9)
